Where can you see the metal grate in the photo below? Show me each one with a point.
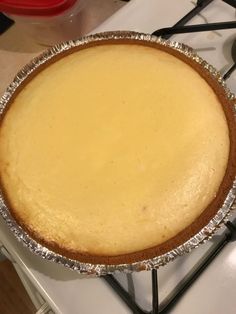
(230, 235)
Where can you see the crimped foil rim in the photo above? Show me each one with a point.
(101, 269)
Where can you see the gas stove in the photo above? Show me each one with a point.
(205, 279)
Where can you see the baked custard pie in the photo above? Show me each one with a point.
(117, 152)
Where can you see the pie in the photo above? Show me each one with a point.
(117, 152)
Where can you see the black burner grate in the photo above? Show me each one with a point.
(181, 28)
(229, 236)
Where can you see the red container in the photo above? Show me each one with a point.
(36, 8)
(46, 21)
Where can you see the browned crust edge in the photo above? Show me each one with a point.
(205, 216)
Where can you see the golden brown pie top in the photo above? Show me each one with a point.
(112, 150)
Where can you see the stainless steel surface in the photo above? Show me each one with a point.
(100, 269)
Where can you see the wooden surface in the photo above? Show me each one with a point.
(13, 297)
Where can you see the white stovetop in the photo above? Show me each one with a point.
(70, 293)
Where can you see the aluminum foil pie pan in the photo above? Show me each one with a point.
(101, 269)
